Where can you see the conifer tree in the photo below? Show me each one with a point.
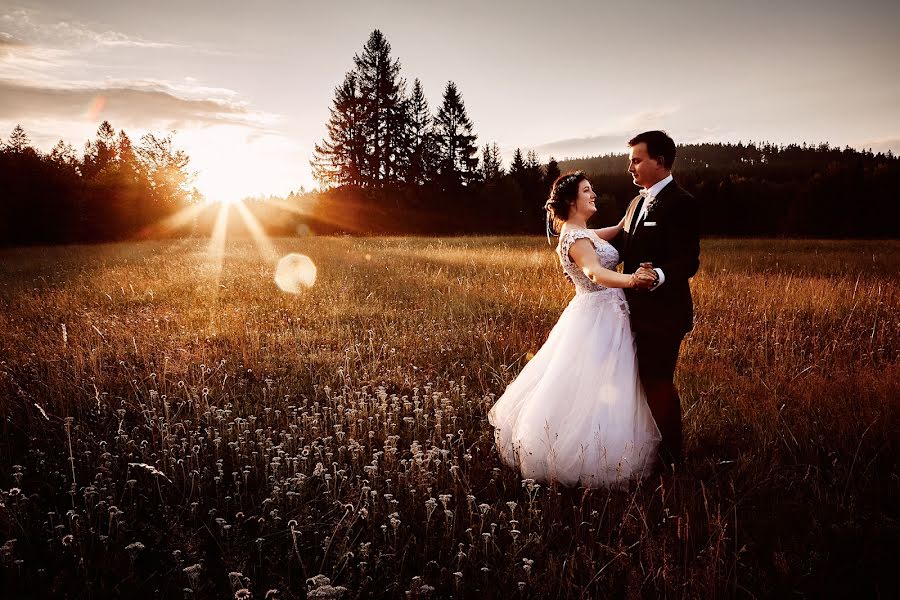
(455, 142)
(63, 155)
(552, 174)
(420, 137)
(517, 166)
(384, 112)
(491, 163)
(341, 159)
(98, 154)
(18, 141)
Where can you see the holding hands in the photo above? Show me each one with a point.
(645, 277)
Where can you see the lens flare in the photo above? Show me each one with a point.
(294, 273)
(96, 107)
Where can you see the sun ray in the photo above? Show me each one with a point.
(263, 244)
(287, 206)
(174, 222)
(216, 257)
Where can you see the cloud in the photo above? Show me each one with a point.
(584, 146)
(613, 139)
(882, 145)
(38, 60)
(7, 41)
(132, 103)
(25, 25)
(649, 119)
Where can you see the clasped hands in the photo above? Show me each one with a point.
(645, 277)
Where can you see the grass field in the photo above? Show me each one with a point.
(173, 429)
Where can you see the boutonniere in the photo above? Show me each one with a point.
(651, 203)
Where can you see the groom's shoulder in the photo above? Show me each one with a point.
(683, 198)
(680, 191)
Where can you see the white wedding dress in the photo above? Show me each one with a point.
(577, 412)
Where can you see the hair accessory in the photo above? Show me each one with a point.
(549, 243)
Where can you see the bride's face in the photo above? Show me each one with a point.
(585, 203)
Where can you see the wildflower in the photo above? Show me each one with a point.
(152, 470)
(320, 587)
(430, 505)
(134, 549)
(527, 565)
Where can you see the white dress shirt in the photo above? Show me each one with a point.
(651, 193)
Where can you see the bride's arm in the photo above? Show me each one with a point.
(609, 233)
(582, 252)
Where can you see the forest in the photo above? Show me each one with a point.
(389, 164)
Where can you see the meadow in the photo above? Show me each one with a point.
(177, 428)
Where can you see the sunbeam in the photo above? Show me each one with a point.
(263, 244)
(216, 256)
(174, 222)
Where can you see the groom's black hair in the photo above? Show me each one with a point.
(660, 146)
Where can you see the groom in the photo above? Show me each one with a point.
(661, 238)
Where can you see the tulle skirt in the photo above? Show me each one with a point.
(577, 412)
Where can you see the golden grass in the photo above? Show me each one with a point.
(161, 415)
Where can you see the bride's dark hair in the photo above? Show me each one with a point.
(562, 194)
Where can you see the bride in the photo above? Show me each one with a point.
(577, 412)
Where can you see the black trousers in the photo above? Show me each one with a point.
(657, 355)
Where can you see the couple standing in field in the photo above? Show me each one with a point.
(597, 405)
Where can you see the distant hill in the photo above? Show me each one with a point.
(771, 190)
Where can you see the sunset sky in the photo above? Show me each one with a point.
(248, 85)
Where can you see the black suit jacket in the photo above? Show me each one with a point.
(673, 245)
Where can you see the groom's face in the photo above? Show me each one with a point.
(645, 171)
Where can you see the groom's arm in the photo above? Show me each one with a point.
(618, 242)
(682, 240)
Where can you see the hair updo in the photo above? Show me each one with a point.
(562, 195)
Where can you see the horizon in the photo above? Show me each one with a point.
(812, 72)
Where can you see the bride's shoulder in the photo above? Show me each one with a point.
(575, 233)
(569, 235)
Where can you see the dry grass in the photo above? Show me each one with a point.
(174, 432)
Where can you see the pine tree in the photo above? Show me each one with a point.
(517, 166)
(18, 141)
(491, 163)
(380, 86)
(533, 167)
(455, 143)
(552, 175)
(341, 158)
(63, 155)
(126, 158)
(100, 153)
(420, 137)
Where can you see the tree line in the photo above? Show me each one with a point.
(389, 164)
(405, 169)
(113, 190)
(766, 189)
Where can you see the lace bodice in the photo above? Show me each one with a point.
(609, 258)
